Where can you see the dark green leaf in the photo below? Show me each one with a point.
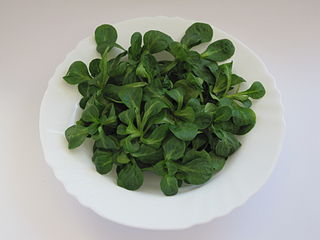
(103, 161)
(235, 80)
(178, 51)
(256, 91)
(151, 108)
(195, 104)
(156, 137)
(185, 114)
(105, 36)
(222, 114)
(130, 145)
(185, 131)
(173, 148)
(218, 162)
(169, 185)
(245, 118)
(77, 73)
(135, 48)
(197, 33)
(148, 68)
(203, 120)
(115, 67)
(122, 158)
(127, 116)
(147, 154)
(177, 95)
(106, 142)
(90, 113)
(159, 168)
(94, 67)
(223, 82)
(131, 97)
(198, 167)
(130, 177)
(219, 51)
(200, 141)
(76, 135)
(156, 41)
(227, 143)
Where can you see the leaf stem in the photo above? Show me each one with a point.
(169, 67)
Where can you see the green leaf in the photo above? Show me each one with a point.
(130, 75)
(156, 41)
(77, 73)
(122, 129)
(122, 158)
(195, 104)
(108, 117)
(167, 83)
(201, 67)
(94, 67)
(227, 143)
(172, 167)
(173, 148)
(148, 68)
(185, 131)
(245, 118)
(177, 95)
(131, 97)
(256, 91)
(130, 177)
(223, 79)
(159, 168)
(200, 141)
(107, 142)
(90, 113)
(151, 108)
(76, 135)
(203, 120)
(135, 48)
(185, 114)
(103, 161)
(189, 90)
(222, 114)
(111, 91)
(130, 145)
(127, 116)
(115, 67)
(247, 103)
(197, 33)
(198, 167)
(235, 80)
(164, 117)
(169, 185)
(156, 137)
(210, 107)
(219, 51)
(106, 37)
(178, 51)
(218, 162)
(147, 154)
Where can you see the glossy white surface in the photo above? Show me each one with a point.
(36, 35)
(243, 174)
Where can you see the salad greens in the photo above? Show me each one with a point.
(176, 118)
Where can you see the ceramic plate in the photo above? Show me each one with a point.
(244, 173)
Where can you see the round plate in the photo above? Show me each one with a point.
(244, 173)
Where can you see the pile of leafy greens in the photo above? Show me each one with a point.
(177, 118)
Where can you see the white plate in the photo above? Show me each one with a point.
(244, 173)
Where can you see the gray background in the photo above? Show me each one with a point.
(36, 36)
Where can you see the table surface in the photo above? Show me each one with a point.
(35, 37)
